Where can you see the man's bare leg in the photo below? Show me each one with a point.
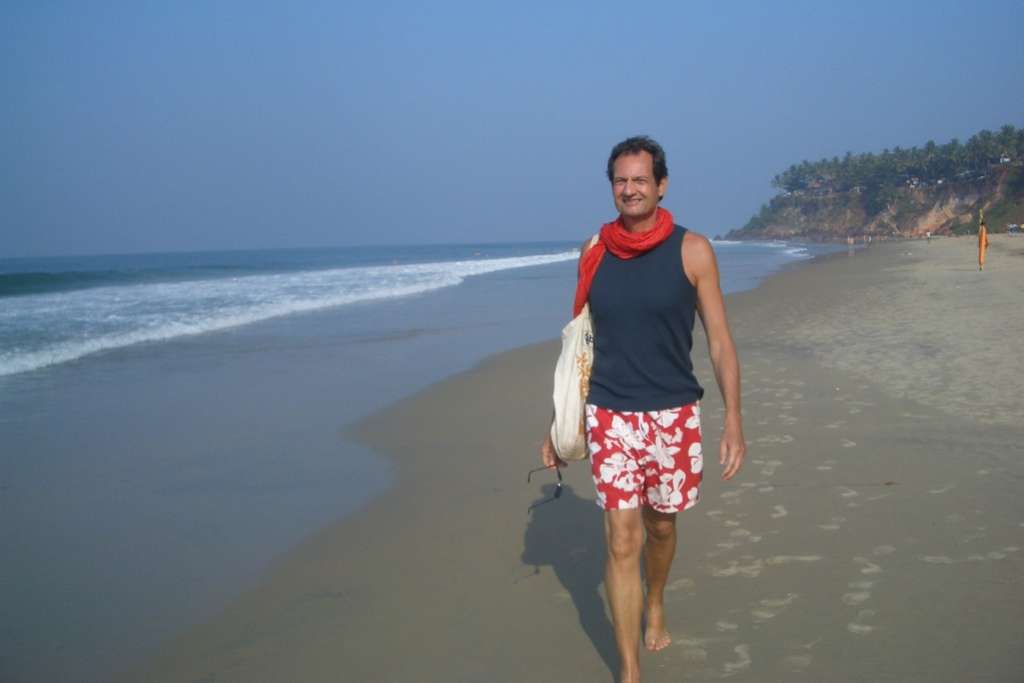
(659, 550)
(624, 531)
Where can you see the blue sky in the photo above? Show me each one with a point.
(146, 126)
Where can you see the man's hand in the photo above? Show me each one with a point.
(548, 455)
(732, 448)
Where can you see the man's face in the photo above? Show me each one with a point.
(633, 187)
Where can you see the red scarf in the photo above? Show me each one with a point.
(624, 244)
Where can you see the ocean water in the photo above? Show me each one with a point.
(56, 310)
(172, 423)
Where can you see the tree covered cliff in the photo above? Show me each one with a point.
(899, 192)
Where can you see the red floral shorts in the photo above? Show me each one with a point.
(648, 458)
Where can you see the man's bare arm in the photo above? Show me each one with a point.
(701, 267)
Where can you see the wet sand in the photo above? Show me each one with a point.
(876, 532)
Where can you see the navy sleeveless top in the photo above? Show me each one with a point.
(643, 311)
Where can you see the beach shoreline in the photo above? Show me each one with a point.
(859, 543)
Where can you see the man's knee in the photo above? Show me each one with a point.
(660, 526)
(624, 536)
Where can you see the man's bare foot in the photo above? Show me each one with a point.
(655, 636)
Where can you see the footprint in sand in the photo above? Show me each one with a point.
(680, 584)
(731, 497)
(972, 537)
(750, 571)
(779, 512)
(855, 598)
(694, 649)
(742, 661)
(858, 627)
(775, 438)
(834, 525)
(577, 552)
(1000, 554)
(869, 566)
(769, 608)
(740, 533)
(753, 569)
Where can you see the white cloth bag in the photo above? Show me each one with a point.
(572, 382)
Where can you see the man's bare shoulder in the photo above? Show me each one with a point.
(696, 241)
(585, 247)
(698, 254)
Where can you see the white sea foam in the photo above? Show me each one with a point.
(46, 329)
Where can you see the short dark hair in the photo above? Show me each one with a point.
(635, 145)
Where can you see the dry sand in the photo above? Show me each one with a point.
(876, 532)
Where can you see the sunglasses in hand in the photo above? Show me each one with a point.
(558, 486)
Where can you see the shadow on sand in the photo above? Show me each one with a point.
(568, 535)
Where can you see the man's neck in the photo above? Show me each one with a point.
(640, 224)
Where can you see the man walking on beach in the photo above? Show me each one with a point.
(646, 279)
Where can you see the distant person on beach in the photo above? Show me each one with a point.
(646, 279)
(982, 242)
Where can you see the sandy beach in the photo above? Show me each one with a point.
(876, 532)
